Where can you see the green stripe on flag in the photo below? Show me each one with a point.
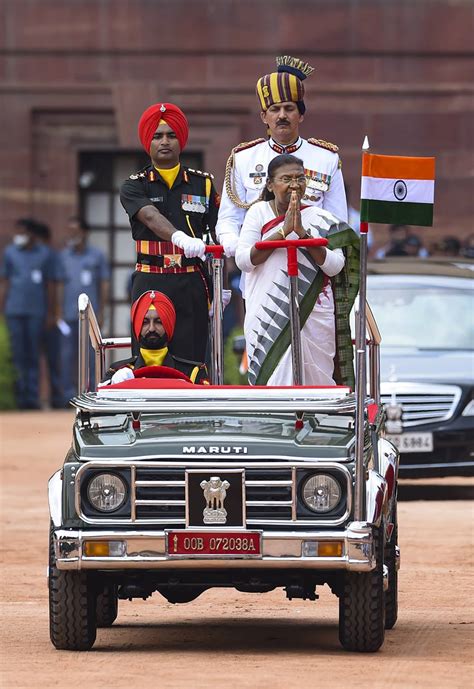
(399, 213)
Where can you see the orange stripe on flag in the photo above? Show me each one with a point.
(397, 167)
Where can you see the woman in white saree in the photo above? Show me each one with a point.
(281, 215)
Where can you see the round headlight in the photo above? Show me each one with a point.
(106, 492)
(321, 493)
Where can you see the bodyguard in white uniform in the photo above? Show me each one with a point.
(280, 96)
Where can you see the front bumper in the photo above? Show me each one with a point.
(147, 550)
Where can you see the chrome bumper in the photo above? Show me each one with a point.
(147, 550)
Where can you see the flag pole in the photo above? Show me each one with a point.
(361, 374)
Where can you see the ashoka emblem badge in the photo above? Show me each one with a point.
(215, 492)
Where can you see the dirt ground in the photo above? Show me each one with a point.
(225, 638)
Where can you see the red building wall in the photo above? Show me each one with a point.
(75, 76)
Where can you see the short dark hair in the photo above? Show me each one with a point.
(27, 224)
(274, 165)
(42, 231)
(77, 219)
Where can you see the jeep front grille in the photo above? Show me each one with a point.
(422, 403)
(160, 493)
(157, 493)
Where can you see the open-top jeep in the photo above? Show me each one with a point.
(175, 488)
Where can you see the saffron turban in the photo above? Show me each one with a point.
(285, 85)
(162, 304)
(171, 114)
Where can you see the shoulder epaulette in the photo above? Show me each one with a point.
(140, 173)
(324, 144)
(247, 144)
(200, 172)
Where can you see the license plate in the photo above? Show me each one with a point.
(231, 544)
(412, 442)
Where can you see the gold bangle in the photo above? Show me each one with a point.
(282, 232)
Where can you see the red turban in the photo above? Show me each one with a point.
(171, 114)
(163, 306)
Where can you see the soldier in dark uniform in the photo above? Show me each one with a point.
(153, 325)
(171, 208)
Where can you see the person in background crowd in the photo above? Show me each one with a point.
(394, 247)
(153, 323)
(27, 274)
(413, 247)
(171, 208)
(467, 249)
(85, 269)
(402, 243)
(51, 341)
(448, 246)
(281, 99)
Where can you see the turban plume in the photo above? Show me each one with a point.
(171, 114)
(164, 307)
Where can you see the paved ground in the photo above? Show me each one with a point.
(226, 639)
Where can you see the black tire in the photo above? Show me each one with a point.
(72, 616)
(107, 606)
(391, 594)
(362, 606)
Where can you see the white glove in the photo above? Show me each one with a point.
(121, 375)
(226, 296)
(229, 241)
(191, 246)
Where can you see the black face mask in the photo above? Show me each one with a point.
(153, 341)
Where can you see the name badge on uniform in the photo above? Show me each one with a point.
(36, 276)
(157, 199)
(259, 174)
(86, 277)
(193, 204)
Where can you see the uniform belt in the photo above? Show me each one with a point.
(166, 260)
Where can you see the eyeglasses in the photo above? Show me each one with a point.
(286, 179)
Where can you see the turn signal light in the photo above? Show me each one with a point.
(322, 549)
(104, 548)
(330, 549)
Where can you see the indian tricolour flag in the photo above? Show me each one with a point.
(397, 189)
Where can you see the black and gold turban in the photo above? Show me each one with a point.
(284, 85)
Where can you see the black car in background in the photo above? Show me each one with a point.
(425, 311)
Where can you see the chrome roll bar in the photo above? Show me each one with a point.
(89, 330)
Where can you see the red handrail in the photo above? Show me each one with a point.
(283, 243)
(291, 245)
(217, 250)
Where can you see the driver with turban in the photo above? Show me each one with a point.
(153, 323)
(171, 209)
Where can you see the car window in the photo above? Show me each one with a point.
(425, 317)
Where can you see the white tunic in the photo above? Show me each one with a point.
(325, 184)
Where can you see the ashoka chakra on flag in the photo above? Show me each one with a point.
(397, 189)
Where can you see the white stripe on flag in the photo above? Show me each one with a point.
(408, 190)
